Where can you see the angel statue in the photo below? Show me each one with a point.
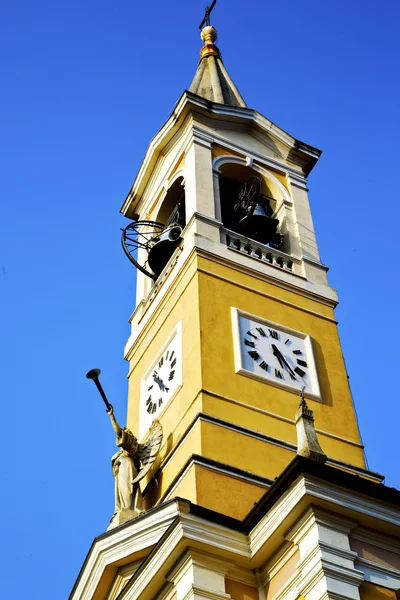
(130, 464)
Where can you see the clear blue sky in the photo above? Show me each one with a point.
(85, 85)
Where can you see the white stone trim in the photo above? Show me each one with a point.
(237, 351)
(123, 575)
(376, 539)
(325, 569)
(242, 575)
(379, 574)
(356, 502)
(276, 563)
(121, 542)
(199, 575)
(219, 161)
(297, 179)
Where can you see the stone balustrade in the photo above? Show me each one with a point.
(261, 252)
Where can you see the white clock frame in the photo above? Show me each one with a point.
(238, 355)
(145, 419)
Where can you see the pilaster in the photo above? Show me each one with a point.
(199, 188)
(199, 576)
(326, 568)
(307, 243)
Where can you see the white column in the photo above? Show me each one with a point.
(326, 568)
(217, 197)
(199, 190)
(199, 576)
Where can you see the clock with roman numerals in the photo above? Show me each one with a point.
(162, 381)
(283, 356)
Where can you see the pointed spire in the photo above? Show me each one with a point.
(212, 80)
(307, 441)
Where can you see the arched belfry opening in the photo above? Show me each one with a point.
(249, 204)
(149, 244)
(172, 209)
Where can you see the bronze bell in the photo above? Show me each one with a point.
(163, 248)
(257, 225)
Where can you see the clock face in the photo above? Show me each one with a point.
(162, 381)
(275, 353)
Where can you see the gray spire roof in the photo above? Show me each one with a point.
(212, 81)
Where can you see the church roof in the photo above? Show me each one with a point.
(212, 81)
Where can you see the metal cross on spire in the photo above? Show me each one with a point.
(206, 19)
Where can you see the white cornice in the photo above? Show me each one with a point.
(376, 539)
(141, 534)
(188, 102)
(379, 574)
(172, 527)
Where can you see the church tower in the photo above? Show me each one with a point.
(233, 328)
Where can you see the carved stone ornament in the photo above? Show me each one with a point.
(129, 465)
(307, 441)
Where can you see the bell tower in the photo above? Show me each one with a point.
(236, 380)
(234, 313)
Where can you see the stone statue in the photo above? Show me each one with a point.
(129, 465)
(124, 467)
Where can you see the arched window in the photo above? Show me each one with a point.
(231, 180)
(172, 209)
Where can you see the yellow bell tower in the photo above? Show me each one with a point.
(250, 323)
(233, 352)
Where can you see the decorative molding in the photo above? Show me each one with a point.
(358, 503)
(379, 574)
(376, 539)
(277, 562)
(242, 575)
(171, 528)
(132, 537)
(315, 263)
(278, 277)
(189, 102)
(123, 576)
(297, 179)
(229, 159)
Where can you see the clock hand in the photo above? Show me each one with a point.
(278, 355)
(160, 383)
(282, 360)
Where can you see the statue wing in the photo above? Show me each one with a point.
(148, 452)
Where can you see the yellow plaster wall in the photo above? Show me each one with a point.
(371, 591)
(187, 487)
(180, 304)
(240, 591)
(222, 493)
(335, 415)
(243, 451)
(201, 298)
(192, 444)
